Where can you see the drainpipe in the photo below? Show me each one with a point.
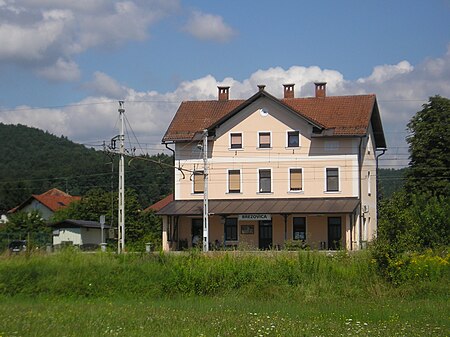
(377, 182)
(360, 190)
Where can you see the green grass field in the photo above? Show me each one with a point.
(266, 294)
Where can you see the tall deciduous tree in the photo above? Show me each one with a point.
(429, 147)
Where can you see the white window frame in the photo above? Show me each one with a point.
(326, 180)
(229, 141)
(259, 145)
(289, 180)
(228, 181)
(299, 139)
(258, 179)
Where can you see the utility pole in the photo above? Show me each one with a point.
(112, 148)
(121, 215)
(205, 192)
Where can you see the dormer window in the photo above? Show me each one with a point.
(293, 139)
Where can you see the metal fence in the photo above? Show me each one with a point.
(26, 241)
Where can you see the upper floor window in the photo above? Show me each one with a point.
(293, 139)
(234, 181)
(265, 181)
(332, 181)
(199, 182)
(264, 140)
(295, 179)
(236, 140)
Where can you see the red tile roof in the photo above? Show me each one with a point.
(195, 116)
(53, 199)
(347, 115)
(160, 204)
(339, 115)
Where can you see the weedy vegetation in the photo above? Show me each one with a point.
(303, 293)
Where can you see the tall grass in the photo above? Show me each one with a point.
(302, 275)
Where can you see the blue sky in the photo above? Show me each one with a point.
(64, 64)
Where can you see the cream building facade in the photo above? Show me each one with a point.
(290, 171)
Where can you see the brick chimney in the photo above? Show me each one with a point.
(261, 87)
(224, 93)
(321, 89)
(288, 90)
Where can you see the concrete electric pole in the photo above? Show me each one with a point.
(121, 152)
(121, 214)
(205, 193)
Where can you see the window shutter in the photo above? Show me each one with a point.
(236, 140)
(296, 179)
(264, 139)
(234, 181)
(199, 181)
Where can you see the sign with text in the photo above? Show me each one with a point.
(255, 217)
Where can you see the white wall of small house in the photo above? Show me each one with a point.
(79, 236)
(46, 213)
(68, 235)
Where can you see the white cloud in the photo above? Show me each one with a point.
(400, 95)
(39, 33)
(208, 27)
(62, 70)
(386, 72)
(104, 85)
(33, 41)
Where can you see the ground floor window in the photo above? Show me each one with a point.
(299, 228)
(197, 232)
(231, 232)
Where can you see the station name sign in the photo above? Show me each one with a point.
(255, 217)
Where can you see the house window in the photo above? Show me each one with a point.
(264, 140)
(199, 181)
(234, 181)
(368, 183)
(332, 179)
(231, 233)
(293, 139)
(295, 179)
(236, 140)
(299, 228)
(265, 181)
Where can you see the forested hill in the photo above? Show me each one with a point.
(33, 161)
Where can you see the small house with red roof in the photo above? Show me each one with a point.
(280, 171)
(46, 203)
